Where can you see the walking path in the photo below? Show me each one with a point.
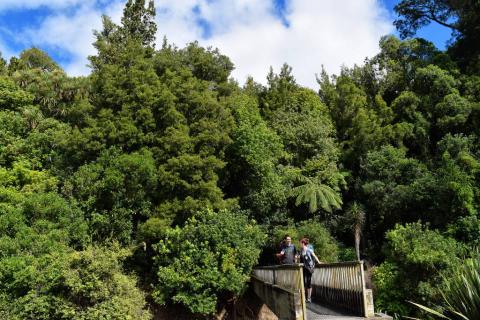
(318, 312)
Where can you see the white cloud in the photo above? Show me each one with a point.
(321, 32)
(331, 33)
(72, 34)
(32, 4)
(5, 51)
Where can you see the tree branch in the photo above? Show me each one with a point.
(433, 17)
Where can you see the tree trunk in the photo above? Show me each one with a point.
(357, 242)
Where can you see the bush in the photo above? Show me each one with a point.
(325, 246)
(414, 257)
(67, 284)
(388, 296)
(347, 254)
(461, 292)
(210, 258)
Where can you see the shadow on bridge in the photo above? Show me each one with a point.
(338, 291)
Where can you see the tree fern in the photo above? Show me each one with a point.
(316, 195)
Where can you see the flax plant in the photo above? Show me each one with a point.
(461, 294)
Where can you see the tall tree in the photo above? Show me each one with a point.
(461, 16)
(303, 122)
(138, 21)
(255, 174)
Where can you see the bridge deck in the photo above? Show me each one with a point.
(318, 312)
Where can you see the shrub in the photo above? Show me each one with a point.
(325, 246)
(414, 257)
(347, 254)
(209, 258)
(461, 292)
(67, 284)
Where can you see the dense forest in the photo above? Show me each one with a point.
(158, 181)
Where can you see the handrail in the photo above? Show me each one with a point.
(280, 266)
(337, 264)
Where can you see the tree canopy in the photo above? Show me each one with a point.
(159, 181)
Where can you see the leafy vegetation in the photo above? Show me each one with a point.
(460, 293)
(158, 180)
(325, 246)
(414, 257)
(211, 255)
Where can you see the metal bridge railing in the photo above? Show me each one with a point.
(343, 285)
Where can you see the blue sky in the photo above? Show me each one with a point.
(255, 34)
(434, 32)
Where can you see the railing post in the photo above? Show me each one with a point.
(367, 296)
(302, 292)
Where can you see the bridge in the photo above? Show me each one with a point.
(338, 292)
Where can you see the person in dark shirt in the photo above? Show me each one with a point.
(288, 251)
(308, 258)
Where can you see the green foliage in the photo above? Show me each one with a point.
(416, 14)
(207, 260)
(11, 96)
(159, 146)
(303, 123)
(356, 214)
(418, 246)
(39, 267)
(114, 192)
(66, 284)
(466, 229)
(415, 255)
(461, 292)
(161, 101)
(33, 212)
(325, 246)
(207, 64)
(301, 120)
(347, 254)
(462, 17)
(316, 195)
(138, 21)
(395, 188)
(388, 296)
(35, 58)
(433, 83)
(457, 171)
(254, 157)
(363, 123)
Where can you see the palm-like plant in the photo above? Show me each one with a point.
(461, 295)
(357, 215)
(316, 195)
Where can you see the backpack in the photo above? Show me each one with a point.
(308, 261)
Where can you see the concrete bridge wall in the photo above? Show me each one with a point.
(286, 304)
(281, 288)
